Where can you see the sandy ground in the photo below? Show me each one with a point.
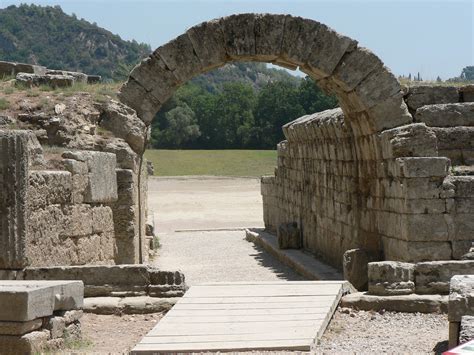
(207, 204)
(204, 203)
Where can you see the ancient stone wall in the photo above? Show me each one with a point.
(72, 206)
(412, 208)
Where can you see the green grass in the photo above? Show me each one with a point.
(4, 103)
(212, 162)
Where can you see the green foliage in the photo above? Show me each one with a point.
(4, 103)
(49, 37)
(213, 162)
(239, 114)
(468, 73)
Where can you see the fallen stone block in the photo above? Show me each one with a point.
(446, 115)
(289, 236)
(55, 81)
(20, 328)
(401, 303)
(435, 276)
(29, 300)
(388, 278)
(127, 305)
(30, 343)
(355, 263)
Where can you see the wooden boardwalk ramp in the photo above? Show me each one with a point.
(244, 316)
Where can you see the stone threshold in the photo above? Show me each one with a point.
(303, 263)
(412, 303)
(128, 305)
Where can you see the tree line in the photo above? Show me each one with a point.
(237, 116)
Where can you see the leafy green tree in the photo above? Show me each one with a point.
(468, 73)
(312, 98)
(181, 128)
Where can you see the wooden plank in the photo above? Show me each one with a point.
(244, 312)
(242, 319)
(245, 317)
(262, 291)
(300, 344)
(305, 333)
(253, 299)
(256, 306)
(232, 328)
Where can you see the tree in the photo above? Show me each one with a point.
(312, 98)
(181, 128)
(468, 73)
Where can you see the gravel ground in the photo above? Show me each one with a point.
(361, 332)
(219, 256)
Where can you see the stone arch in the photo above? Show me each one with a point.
(381, 185)
(369, 94)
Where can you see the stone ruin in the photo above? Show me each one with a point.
(381, 186)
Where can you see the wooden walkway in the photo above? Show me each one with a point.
(244, 316)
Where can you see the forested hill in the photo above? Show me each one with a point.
(47, 36)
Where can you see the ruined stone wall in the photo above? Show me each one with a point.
(72, 206)
(392, 194)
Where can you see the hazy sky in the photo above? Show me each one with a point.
(410, 36)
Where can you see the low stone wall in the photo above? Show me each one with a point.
(387, 278)
(394, 195)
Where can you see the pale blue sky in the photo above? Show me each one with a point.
(432, 37)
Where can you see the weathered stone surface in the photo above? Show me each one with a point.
(461, 248)
(446, 115)
(14, 163)
(461, 297)
(30, 343)
(435, 276)
(396, 249)
(35, 299)
(402, 303)
(49, 187)
(55, 81)
(414, 140)
(289, 236)
(102, 185)
(20, 328)
(355, 263)
(208, 43)
(127, 305)
(391, 278)
(56, 326)
(239, 36)
(467, 93)
(124, 123)
(268, 36)
(423, 167)
(11, 68)
(466, 332)
(180, 58)
(427, 95)
(78, 77)
(102, 219)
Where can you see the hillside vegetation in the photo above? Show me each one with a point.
(47, 36)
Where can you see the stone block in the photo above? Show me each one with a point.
(354, 67)
(423, 167)
(102, 219)
(55, 81)
(298, 33)
(268, 36)
(466, 332)
(208, 43)
(124, 123)
(239, 36)
(434, 276)
(391, 278)
(410, 251)
(378, 86)
(29, 300)
(30, 343)
(20, 328)
(422, 95)
(461, 297)
(70, 316)
(77, 220)
(413, 140)
(355, 263)
(102, 180)
(137, 275)
(467, 93)
(390, 113)
(49, 187)
(289, 236)
(56, 326)
(461, 248)
(446, 115)
(180, 58)
(14, 163)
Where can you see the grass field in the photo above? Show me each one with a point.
(212, 162)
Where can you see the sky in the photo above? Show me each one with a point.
(434, 38)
